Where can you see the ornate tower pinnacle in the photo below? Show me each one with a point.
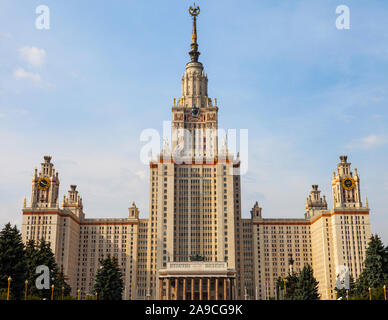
(346, 186)
(194, 53)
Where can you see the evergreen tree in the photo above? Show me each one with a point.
(12, 261)
(291, 284)
(31, 258)
(37, 255)
(376, 263)
(361, 292)
(375, 273)
(109, 284)
(61, 282)
(307, 285)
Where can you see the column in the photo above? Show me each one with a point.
(168, 289)
(161, 289)
(192, 288)
(184, 288)
(208, 288)
(200, 288)
(216, 288)
(230, 289)
(234, 290)
(225, 298)
(176, 288)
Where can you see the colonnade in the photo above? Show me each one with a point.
(196, 288)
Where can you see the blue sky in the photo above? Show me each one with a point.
(105, 71)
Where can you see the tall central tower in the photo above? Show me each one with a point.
(194, 189)
(194, 127)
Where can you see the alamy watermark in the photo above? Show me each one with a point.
(343, 20)
(343, 278)
(42, 22)
(43, 280)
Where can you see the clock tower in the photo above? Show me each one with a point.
(45, 186)
(194, 115)
(346, 186)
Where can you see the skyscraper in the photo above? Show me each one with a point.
(195, 243)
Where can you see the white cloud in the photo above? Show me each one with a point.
(20, 74)
(369, 142)
(2, 115)
(34, 56)
(141, 174)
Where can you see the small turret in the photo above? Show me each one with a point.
(133, 211)
(73, 202)
(315, 202)
(256, 211)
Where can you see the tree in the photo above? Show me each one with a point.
(61, 282)
(31, 253)
(12, 261)
(109, 284)
(291, 284)
(376, 261)
(307, 285)
(375, 273)
(37, 255)
(361, 290)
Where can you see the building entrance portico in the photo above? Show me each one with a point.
(196, 281)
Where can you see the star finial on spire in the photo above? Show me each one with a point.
(194, 53)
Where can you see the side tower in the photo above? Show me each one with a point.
(44, 219)
(339, 236)
(45, 186)
(41, 219)
(346, 186)
(315, 204)
(350, 220)
(73, 202)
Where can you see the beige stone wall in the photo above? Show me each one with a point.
(78, 245)
(142, 274)
(322, 248)
(274, 241)
(199, 220)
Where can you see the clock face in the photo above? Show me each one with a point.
(195, 111)
(348, 183)
(43, 183)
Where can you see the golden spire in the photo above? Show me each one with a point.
(194, 54)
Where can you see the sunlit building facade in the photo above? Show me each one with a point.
(195, 243)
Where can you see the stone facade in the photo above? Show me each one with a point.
(195, 211)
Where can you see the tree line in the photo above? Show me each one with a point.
(371, 284)
(18, 263)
